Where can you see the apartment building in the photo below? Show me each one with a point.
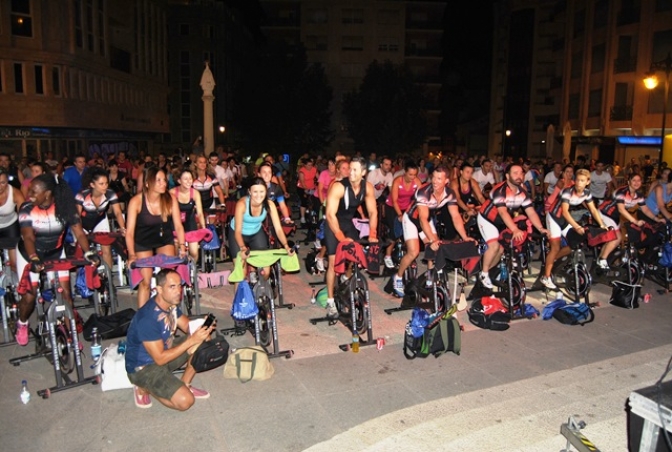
(82, 76)
(345, 36)
(568, 78)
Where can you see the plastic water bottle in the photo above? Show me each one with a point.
(503, 272)
(559, 295)
(312, 297)
(355, 342)
(25, 394)
(96, 346)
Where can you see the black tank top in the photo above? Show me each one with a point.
(150, 230)
(347, 206)
(468, 197)
(187, 211)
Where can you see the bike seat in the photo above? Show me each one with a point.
(159, 260)
(197, 236)
(64, 265)
(104, 238)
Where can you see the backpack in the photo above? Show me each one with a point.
(244, 307)
(625, 295)
(441, 334)
(213, 244)
(80, 284)
(489, 313)
(666, 257)
(574, 314)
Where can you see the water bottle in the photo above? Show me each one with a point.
(96, 346)
(253, 277)
(503, 272)
(25, 394)
(355, 342)
(121, 348)
(559, 296)
(312, 297)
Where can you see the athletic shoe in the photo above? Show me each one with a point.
(484, 278)
(141, 401)
(332, 312)
(22, 333)
(303, 221)
(317, 244)
(602, 263)
(398, 285)
(199, 393)
(548, 283)
(389, 263)
(319, 264)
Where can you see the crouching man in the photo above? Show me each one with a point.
(153, 353)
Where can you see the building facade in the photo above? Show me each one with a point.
(568, 78)
(82, 76)
(345, 36)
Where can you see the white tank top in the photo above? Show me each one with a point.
(8, 213)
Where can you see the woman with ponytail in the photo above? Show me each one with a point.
(151, 218)
(44, 219)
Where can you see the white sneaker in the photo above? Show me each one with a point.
(398, 285)
(484, 278)
(548, 283)
(602, 263)
(389, 263)
(319, 264)
(332, 312)
(317, 244)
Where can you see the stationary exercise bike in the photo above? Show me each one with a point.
(56, 335)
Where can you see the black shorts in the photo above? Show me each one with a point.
(348, 229)
(254, 242)
(9, 236)
(160, 242)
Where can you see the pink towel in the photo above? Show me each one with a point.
(181, 269)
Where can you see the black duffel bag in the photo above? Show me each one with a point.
(210, 354)
(109, 326)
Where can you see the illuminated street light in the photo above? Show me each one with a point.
(508, 133)
(651, 82)
(222, 129)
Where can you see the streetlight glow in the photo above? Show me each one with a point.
(508, 133)
(222, 129)
(651, 81)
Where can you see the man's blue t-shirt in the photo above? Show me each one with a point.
(150, 323)
(73, 178)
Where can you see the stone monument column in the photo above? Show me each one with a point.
(207, 85)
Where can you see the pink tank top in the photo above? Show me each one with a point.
(405, 196)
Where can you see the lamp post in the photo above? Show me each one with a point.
(651, 82)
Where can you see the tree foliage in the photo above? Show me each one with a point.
(385, 114)
(283, 105)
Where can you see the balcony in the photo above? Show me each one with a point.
(628, 64)
(621, 113)
(627, 16)
(424, 25)
(416, 52)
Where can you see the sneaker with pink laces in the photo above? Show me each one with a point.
(199, 393)
(141, 400)
(22, 333)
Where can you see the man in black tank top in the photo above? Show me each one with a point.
(343, 200)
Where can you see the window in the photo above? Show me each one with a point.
(594, 103)
(573, 110)
(352, 43)
(597, 62)
(577, 64)
(184, 57)
(388, 17)
(579, 23)
(18, 78)
(101, 27)
(353, 16)
(39, 79)
(601, 14)
(317, 16)
(89, 25)
(22, 22)
(79, 39)
(663, 5)
(186, 110)
(388, 44)
(184, 29)
(316, 43)
(56, 80)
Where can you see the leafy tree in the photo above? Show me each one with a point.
(385, 114)
(282, 104)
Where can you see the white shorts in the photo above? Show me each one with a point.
(609, 222)
(411, 231)
(489, 231)
(35, 277)
(554, 228)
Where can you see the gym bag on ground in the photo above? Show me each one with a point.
(442, 334)
(210, 354)
(574, 314)
(249, 363)
(625, 295)
(110, 326)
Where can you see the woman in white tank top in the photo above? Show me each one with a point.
(10, 200)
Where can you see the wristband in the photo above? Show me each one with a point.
(33, 256)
